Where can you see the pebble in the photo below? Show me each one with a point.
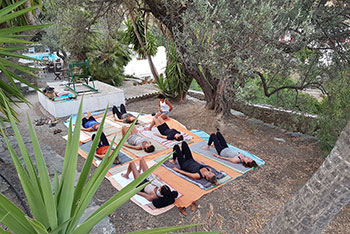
(279, 139)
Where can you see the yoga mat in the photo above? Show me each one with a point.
(190, 191)
(165, 142)
(120, 182)
(209, 154)
(124, 158)
(222, 177)
(206, 136)
(138, 153)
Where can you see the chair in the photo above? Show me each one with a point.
(58, 71)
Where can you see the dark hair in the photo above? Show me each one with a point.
(250, 164)
(166, 192)
(180, 138)
(161, 96)
(213, 180)
(149, 149)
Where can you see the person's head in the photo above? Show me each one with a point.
(149, 148)
(250, 164)
(211, 177)
(166, 192)
(161, 96)
(178, 137)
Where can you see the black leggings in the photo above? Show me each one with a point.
(85, 120)
(117, 112)
(219, 142)
(184, 155)
(103, 140)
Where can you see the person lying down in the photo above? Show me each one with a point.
(156, 192)
(189, 166)
(224, 152)
(102, 148)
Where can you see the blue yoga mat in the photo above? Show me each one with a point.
(209, 153)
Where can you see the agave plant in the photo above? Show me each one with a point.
(59, 209)
(10, 16)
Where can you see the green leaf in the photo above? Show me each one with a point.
(13, 5)
(14, 55)
(117, 200)
(66, 195)
(14, 41)
(45, 183)
(14, 48)
(13, 218)
(40, 229)
(15, 14)
(30, 186)
(7, 31)
(96, 179)
(88, 163)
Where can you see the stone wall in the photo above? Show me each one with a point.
(289, 120)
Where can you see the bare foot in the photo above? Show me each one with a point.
(183, 210)
(126, 176)
(194, 205)
(214, 154)
(206, 147)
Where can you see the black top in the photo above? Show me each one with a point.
(166, 131)
(165, 201)
(193, 167)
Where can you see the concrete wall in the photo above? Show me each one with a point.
(107, 95)
(289, 120)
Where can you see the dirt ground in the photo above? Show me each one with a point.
(241, 206)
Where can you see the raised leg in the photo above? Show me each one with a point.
(116, 112)
(131, 168)
(122, 109)
(143, 165)
(186, 151)
(221, 139)
(178, 155)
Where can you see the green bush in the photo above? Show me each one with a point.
(286, 98)
(108, 58)
(335, 111)
(173, 85)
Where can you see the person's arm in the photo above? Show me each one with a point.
(233, 160)
(195, 176)
(169, 104)
(87, 129)
(149, 197)
(100, 156)
(159, 106)
(133, 147)
(161, 136)
(119, 120)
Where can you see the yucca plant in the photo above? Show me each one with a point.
(10, 16)
(59, 209)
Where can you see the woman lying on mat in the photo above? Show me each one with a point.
(122, 115)
(160, 195)
(137, 142)
(165, 131)
(89, 124)
(164, 107)
(224, 152)
(189, 166)
(102, 148)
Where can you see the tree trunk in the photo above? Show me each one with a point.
(149, 58)
(321, 198)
